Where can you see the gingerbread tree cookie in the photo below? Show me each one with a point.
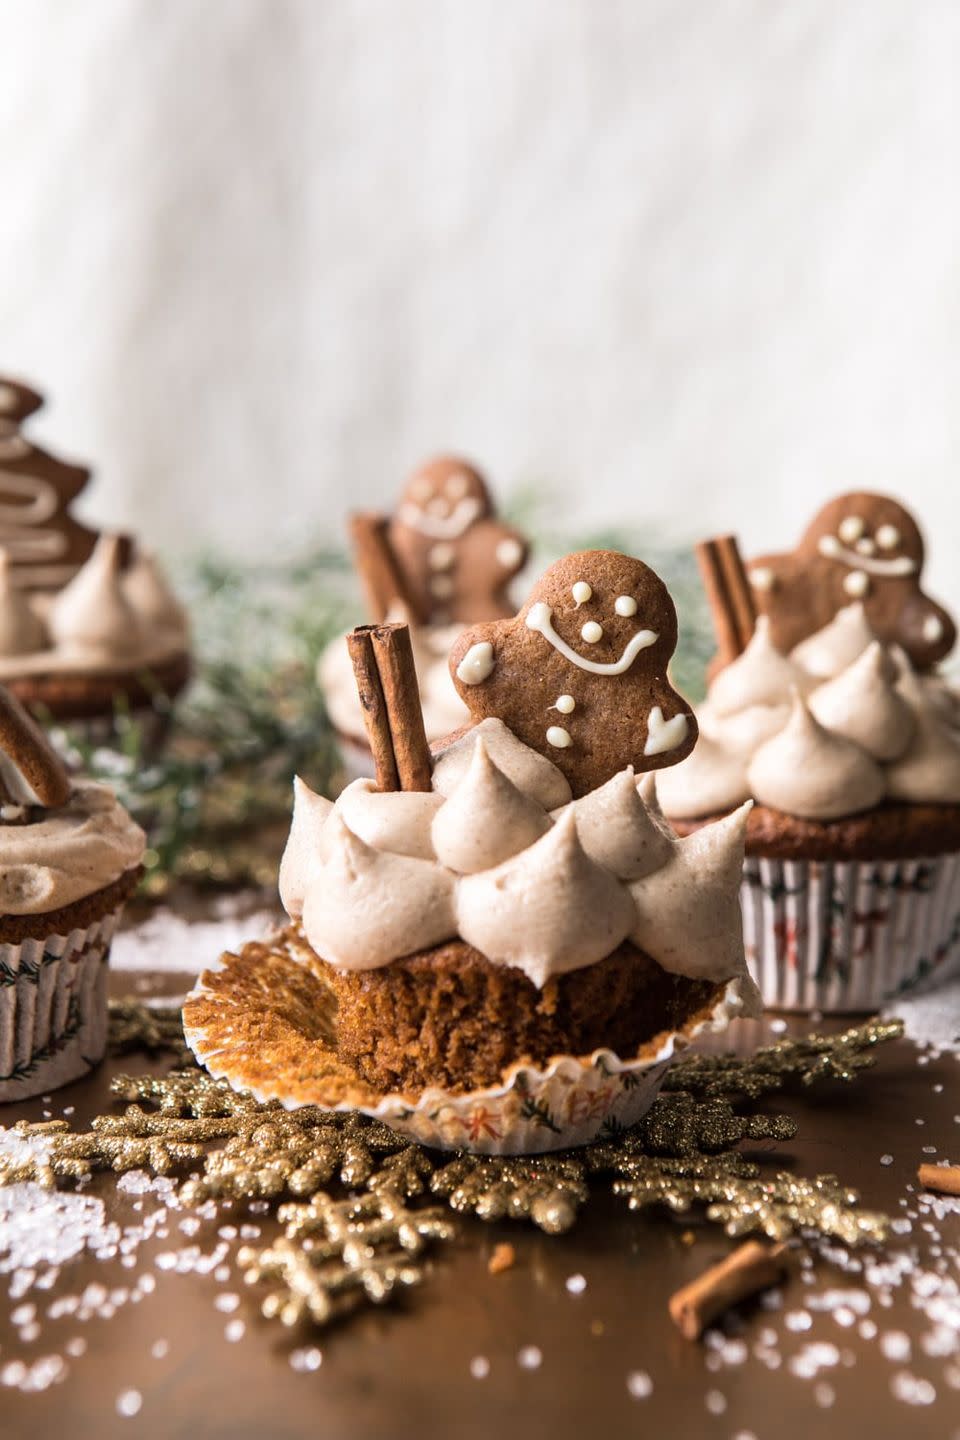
(443, 555)
(44, 543)
(862, 547)
(581, 673)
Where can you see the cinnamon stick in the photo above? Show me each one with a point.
(749, 1269)
(373, 704)
(943, 1178)
(398, 677)
(380, 575)
(729, 594)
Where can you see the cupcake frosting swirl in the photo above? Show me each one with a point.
(812, 772)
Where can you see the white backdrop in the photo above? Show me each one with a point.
(691, 262)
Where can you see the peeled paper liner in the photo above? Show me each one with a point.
(266, 1023)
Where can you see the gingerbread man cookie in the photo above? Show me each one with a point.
(45, 545)
(862, 547)
(581, 673)
(456, 558)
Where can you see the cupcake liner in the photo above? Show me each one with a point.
(53, 1008)
(845, 936)
(266, 1024)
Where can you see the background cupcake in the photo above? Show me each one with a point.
(88, 623)
(69, 858)
(852, 879)
(443, 560)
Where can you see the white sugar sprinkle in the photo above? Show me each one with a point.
(715, 1401)
(479, 1367)
(530, 1357)
(307, 1359)
(129, 1403)
(912, 1390)
(639, 1385)
(576, 1284)
(227, 1303)
(234, 1331)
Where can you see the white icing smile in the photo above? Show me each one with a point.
(831, 548)
(540, 618)
(442, 527)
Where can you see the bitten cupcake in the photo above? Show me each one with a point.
(518, 928)
(87, 623)
(442, 561)
(70, 856)
(851, 889)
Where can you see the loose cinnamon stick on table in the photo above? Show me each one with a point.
(751, 1268)
(729, 594)
(401, 693)
(373, 704)
(943, 1178)
(380, 575)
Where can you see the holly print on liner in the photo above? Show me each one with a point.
(592, 644)
(44, 544)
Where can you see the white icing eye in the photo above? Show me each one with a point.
(829, 546)
(581, 592)
(856, 584)
(866, 546)
(566, 704)
(851, 529)
(558, 737)
(441, 586)
(888, 537)
(509, 553)
(457, 485)
(932, 631)
(592, 632)
(761, 577)
(441, 556)
(625, 605)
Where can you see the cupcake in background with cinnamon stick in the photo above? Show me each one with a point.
(88, 622)
(515, 941)
(826, 709)
(70, 857)
(442, 561)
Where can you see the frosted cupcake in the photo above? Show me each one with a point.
(70, 857)
(442, 561)
(851, 888)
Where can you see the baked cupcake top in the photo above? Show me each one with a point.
(60, 841)
(835, 728)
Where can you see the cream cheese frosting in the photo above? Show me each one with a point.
(69, 853)
(105, 621)
(543, 893)
(861, 728)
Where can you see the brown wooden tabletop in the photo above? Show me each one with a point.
(536, 1350)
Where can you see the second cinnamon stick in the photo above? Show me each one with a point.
(751, 1268)
(398, 677)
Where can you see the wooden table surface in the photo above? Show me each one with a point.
(839, 1356)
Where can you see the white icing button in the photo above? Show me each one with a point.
(457, 485)
(888, 537)
(441, 556)
(442, 586)
(558, 737)
(866, 546)
(664, 734)
(851, 529)
(582, 592)
(566, 704)
(932, 629)
(856, 584)
(477, 665)
(762, 577)
(592, 632)
(625, 605)
(509, 553)
(829, 545)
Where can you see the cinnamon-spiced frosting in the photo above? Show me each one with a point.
(858, 729)
(107, 620)
(514, 867)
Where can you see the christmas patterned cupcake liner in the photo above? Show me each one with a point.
(848, 936)
(266, 1024)
(53, 1009)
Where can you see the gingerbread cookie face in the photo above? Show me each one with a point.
(456, 558)
(581, 673)
(863, 547)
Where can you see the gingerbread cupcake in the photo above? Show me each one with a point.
(507, 924)
(442, 561)
(851, 752)
(88, 622)
(69, 858)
